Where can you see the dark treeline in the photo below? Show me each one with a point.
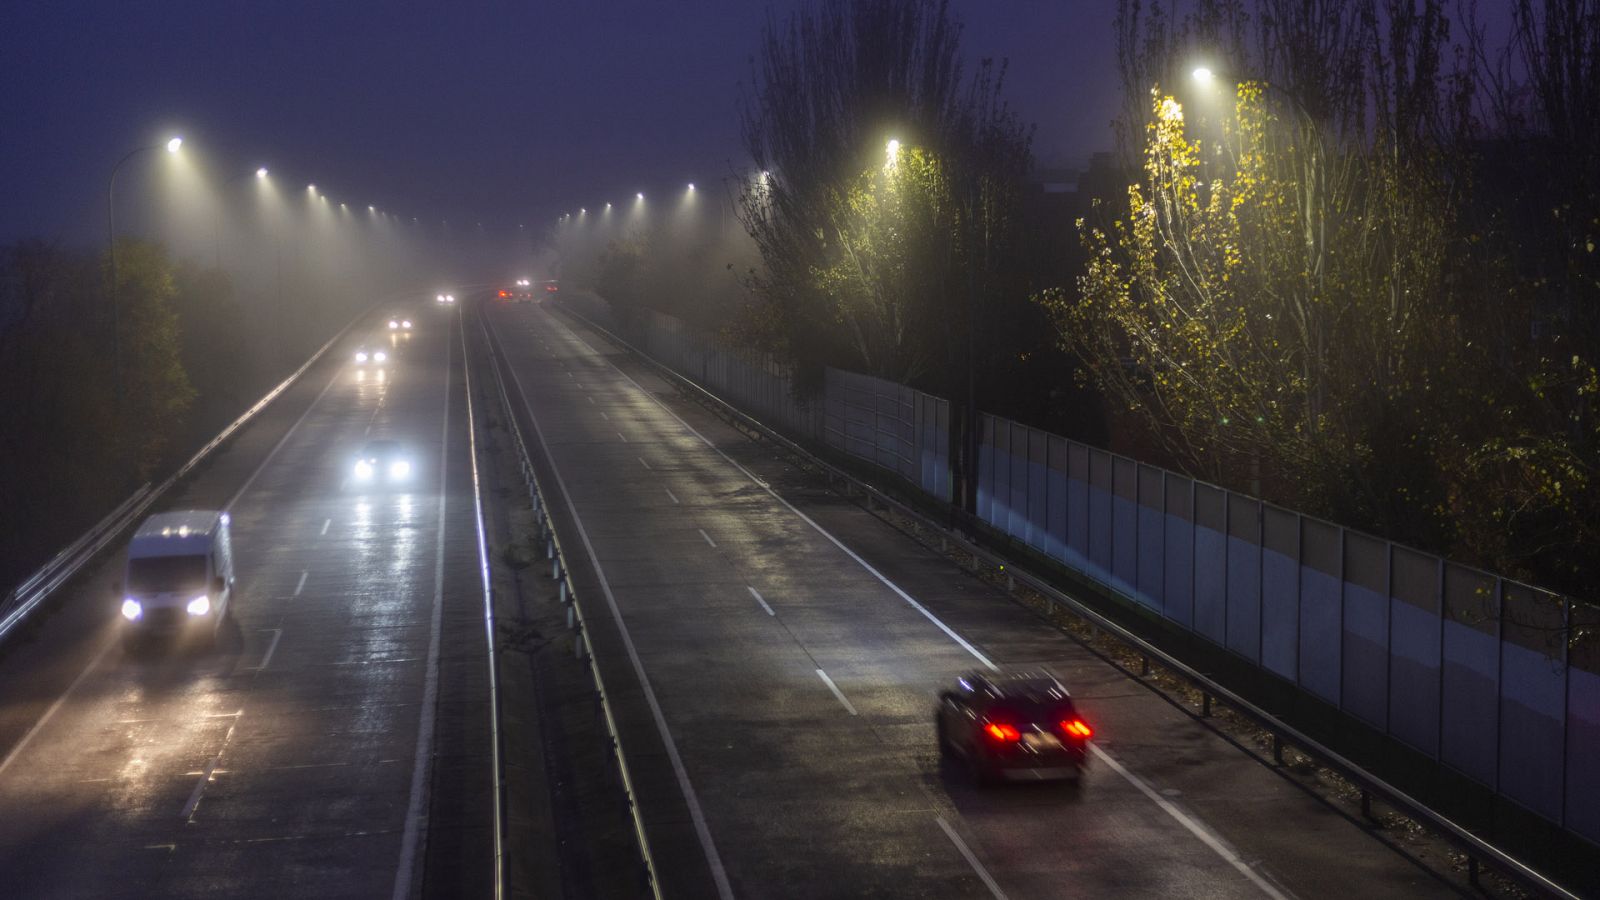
(194, 355)
(1354, 272)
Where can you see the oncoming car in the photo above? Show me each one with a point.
(445, 299)
(179, 577)
(382, 462)
(399, 324)
(1013, 726)
(365, 357)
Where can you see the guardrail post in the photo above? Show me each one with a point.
(1472, 870)
(1277, 748)
(1144, 666)
(555, 568)
(570, 617)
(580, 646)
(563, 593)
(550, 548)
(1366, 804)
(1205, 705)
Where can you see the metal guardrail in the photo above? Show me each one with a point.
(28, 596)
(1477, 850)
(561, 574)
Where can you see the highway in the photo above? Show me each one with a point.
(774, 653)
(771, 651)
(300, 757)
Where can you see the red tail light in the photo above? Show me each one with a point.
(1077, 728)
(1002, 732)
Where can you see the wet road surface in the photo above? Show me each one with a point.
(783, 649)
(295, 758)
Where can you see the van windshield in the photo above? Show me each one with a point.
(159, 574)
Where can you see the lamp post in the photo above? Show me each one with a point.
(171, 146)
(259, 175)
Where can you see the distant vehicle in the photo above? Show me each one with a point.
(382, 462)
(552, 286)
(399, 324)
(365, 357)
(444, 299)
(1017, 726)
(179, 576)
(521, 292)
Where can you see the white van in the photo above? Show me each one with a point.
(180, 574)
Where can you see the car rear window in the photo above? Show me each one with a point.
(159, 574)
(1040, 713)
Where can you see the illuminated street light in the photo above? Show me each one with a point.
(311, 189)
(1202, 75)
(691, 187)
(640, 195)
(111, 231)
(893, 148)
(261, 172)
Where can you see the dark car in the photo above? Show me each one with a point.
(552, 286)
(382, 462)
(1013, 726)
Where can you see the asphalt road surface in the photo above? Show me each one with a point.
(297, 758)
(776, 666)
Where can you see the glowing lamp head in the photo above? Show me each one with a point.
(691, 187)
(1203, 75)
(640, 195)
(174, 144)
(261, 172)
(893, 148)
(131, 609)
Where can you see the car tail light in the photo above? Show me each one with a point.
(502, 293)
(1002, 732)
(1077, 728)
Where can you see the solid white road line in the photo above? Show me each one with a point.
(1195, 827)
(972, 859)
(302, 583)
(949, 632)
(757, 594)
(691, 799)
(836, 692)
(672, 495)
(325, 524)
(1189, 822)
(56, 706)
(421, 763)
(706, 536)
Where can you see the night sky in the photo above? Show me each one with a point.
(502, 113)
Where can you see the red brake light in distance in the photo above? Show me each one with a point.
(1002, 732)
(1077, 728)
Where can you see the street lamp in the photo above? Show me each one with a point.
(1203, 75)
(261, 172)
(172, 146)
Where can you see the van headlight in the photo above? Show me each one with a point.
(363, 469)
(361, 356)
(380, 356)
(131, 609)
(199, 606)
(399, 469)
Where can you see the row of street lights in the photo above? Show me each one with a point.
(172, 146)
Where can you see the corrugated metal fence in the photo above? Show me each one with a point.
(1465, 667)
(890, 425)
(1468, 668)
